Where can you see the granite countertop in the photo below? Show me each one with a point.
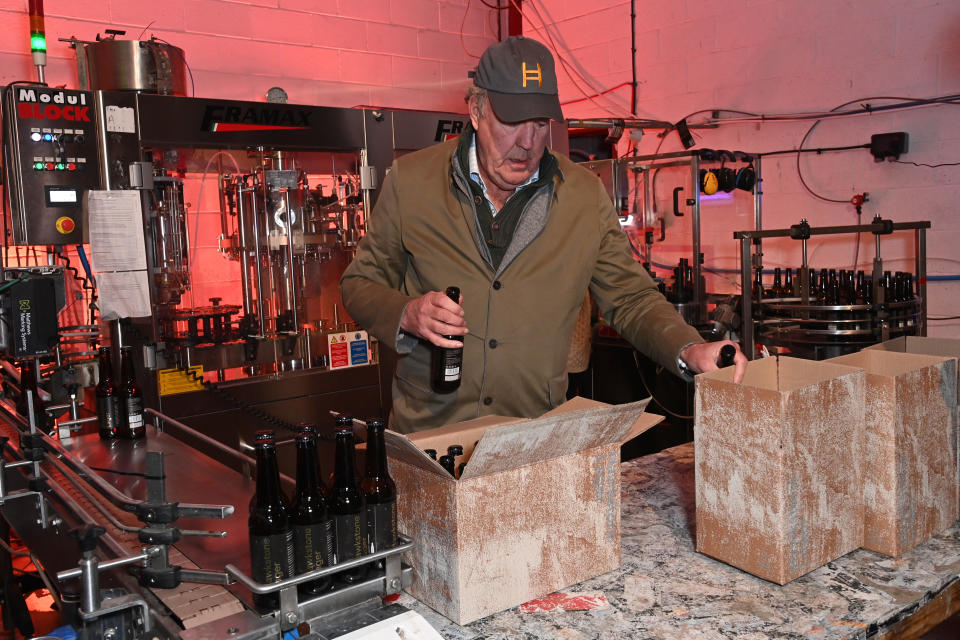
(665, 590)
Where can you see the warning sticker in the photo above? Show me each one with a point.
(348, 349)
(173, 381)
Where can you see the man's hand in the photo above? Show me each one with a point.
(432, 316)
(705, 356)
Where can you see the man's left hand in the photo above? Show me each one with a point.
(704, 357)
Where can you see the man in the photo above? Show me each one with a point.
(523, 233)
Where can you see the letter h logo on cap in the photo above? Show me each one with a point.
(532, 74)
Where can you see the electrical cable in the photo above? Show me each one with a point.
(643, 381)
(905, 102)
(463, 45)
(866, 108)
(82, 280)
(924, 164)
(943, 317)
(611, 89)
(249, 409)
(562, 60)
(193, 88)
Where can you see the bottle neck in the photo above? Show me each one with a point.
(376, 454)
(106, 368)
(307, 467)
(343, 461)
(126, 366)
(268, 475)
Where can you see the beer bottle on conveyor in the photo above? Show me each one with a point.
(131, 398)
(29, 381)
(860, 291)
(446, 364)
(777, 290)
(312, 529)
(455, 450)
(758, 292)
(346, 509)
(341, 421)
(271, 539)
(379, 492)
(788, 291)
(460, 468)
(108, 400)
(431, 452)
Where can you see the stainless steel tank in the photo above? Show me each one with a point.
(150, 66)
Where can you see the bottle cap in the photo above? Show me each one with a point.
(306, 431)
(343, 420)
(263, 436)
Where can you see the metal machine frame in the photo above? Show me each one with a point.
(696, 311)
(803, 232)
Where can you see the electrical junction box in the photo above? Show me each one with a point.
(888, 146)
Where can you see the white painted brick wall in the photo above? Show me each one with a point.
(787, 56)
(767, 56)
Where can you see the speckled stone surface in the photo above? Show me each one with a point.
(665, 590)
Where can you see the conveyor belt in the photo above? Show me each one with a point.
(190, 603)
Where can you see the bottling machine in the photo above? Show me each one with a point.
(118, 530)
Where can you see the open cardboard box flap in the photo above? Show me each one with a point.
(508, 443)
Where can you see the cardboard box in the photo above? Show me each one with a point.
(931, 347)
(778, 465)
(921, 345)
(910, 489)
(537, 508)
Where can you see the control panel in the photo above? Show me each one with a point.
(51, 160)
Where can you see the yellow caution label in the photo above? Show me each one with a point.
(173, 381)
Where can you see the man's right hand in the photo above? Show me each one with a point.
(432, 316)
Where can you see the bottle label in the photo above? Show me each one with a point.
(271, 557)
(382, 525)
(134, 408)
(312, 546)
(452, 359)
(108, 416)
(349, 536)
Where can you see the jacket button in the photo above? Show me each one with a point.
(493, 344)
(488, 401)
(497, 285)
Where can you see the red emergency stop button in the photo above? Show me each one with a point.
(66, 225)
(71, 166)
(50, 166)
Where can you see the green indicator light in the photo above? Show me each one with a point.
(38, 42)
(38, 166)
(60, 166)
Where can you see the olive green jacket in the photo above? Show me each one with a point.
(423, 237)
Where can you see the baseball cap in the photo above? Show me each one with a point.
(520, 79)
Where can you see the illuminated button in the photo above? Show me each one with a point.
(49, 166)
(38, 166)
(36, 136)
(47, 137)
(61, 166)
(66, 225)
(71, 166)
